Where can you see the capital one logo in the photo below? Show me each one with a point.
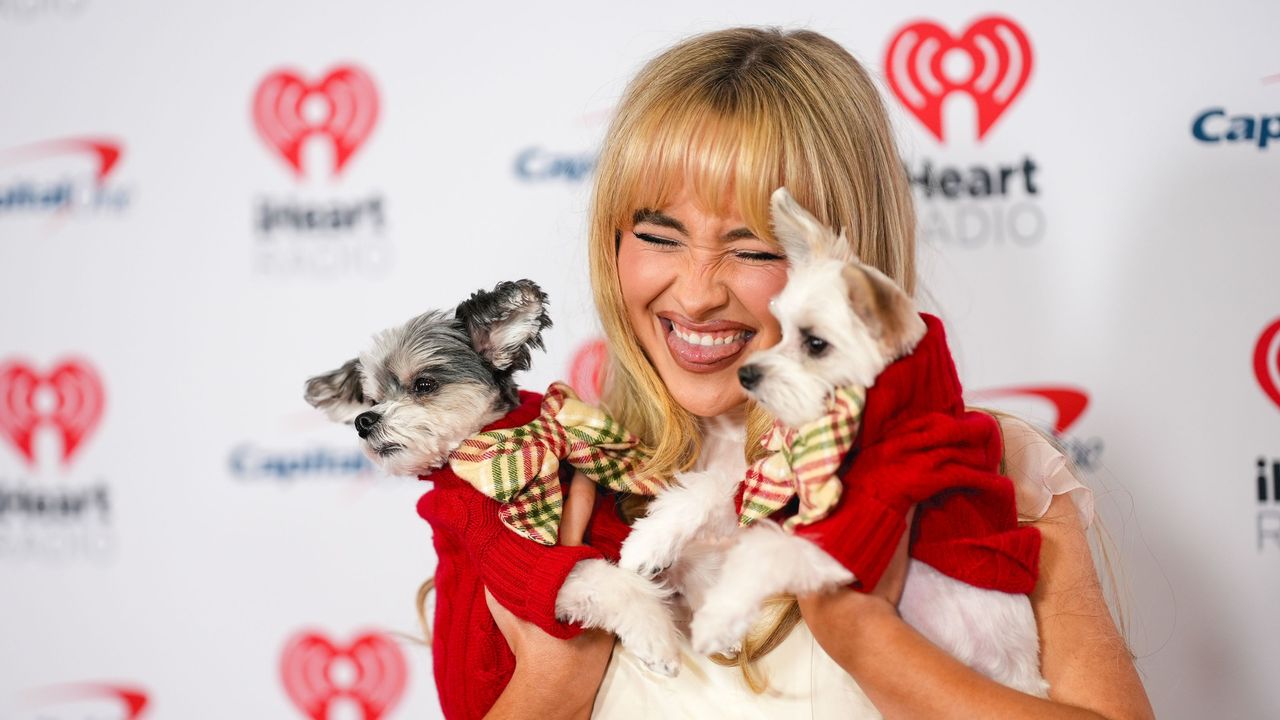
(68, 397)
(990, 62)
(1266, 361)
(91, 700)
(1068, 403)
(105, 153)
(318, 674)
(342, 107)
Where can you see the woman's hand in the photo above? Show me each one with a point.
(554, 678)
(1089, 670)
(836, 614)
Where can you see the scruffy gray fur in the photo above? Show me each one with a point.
(427, 385)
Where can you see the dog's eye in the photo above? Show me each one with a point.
(815, 345)
(424, 385)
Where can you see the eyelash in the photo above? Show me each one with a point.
(745, 255)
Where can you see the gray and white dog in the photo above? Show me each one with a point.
(431, 383)
(427, 385)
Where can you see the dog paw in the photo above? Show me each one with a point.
(647, 553)
(720, 628)
(655, 642)
(666, 667)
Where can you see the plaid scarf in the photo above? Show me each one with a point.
(803, 461)
(520, 467)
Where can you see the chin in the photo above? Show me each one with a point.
(705, 395)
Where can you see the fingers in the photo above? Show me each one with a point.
(895, 575)
(578, 505)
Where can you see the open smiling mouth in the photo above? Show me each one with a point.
(704, 352)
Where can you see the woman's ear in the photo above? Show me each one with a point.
(506, 323)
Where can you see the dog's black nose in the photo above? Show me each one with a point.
(365, 422)
(748, 375)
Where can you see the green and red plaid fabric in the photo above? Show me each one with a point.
(803, 461)
(520, 467)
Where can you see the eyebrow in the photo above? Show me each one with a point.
(661, 219)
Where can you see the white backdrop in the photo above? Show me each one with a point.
(205, 521)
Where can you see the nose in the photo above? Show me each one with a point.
(749, 376)
(365, 422)
(701, 290)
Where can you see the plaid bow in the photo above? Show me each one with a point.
(803, 461)
(520, 467)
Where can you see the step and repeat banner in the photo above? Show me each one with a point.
(203, 204)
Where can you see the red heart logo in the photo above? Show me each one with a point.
(343, 106)
(377, 680)
(1069, 403)
(77, 406)
(1266, 362)
(586, 372)
(999, 60)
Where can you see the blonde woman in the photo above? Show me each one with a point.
(680, 246)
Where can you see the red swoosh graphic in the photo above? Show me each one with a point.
(106, 152)
(1267, 369)
(133, 699)
(1069, 402)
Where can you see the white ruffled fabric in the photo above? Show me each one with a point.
(804, 682)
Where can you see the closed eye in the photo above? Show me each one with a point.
(655, 240)
(760, 256)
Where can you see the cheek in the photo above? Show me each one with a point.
(643, 274)
(755, 287)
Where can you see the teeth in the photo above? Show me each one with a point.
(694, 338)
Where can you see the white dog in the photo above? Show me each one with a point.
(842, 324)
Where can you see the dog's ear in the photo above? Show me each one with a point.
(506, 323)
(339, 393)
(886, 310)
(801, 235)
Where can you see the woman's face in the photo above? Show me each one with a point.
(697, 288)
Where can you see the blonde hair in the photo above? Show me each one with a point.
(742, 110)
(748, 109)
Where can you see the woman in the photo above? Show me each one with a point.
(683, 269)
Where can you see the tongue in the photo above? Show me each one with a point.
(703, 353)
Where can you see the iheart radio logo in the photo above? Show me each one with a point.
(990, 62)
(370, 671)
(1266, 361)
(76, 399)
(586, 371)
(343, 106)
(1068, 403)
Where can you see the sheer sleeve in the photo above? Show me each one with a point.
(1039, 471)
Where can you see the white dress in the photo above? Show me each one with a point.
(803, 681)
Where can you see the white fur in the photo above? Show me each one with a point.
(695, 504)
(428, 434)
(765, 561)
(600, 595)
(993, 632)
(990, 631)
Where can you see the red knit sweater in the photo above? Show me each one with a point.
(916, 445)
(474, 550)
